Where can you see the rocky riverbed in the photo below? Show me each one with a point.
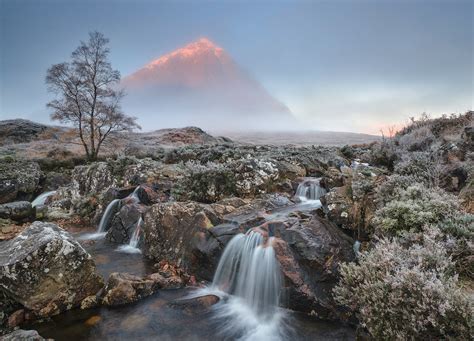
(117, 247)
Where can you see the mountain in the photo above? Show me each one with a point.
(200, 84)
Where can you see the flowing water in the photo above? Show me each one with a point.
(41, 199)
(107, 216)
(247, 280)
(132, 246)
(249, 277)
(310, 189)
(153, 318)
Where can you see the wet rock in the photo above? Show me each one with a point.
(18, 211)
(46, 271)
(182, 234)
(124, 223)
(17, 318)
(147, 195)
(90, 302)
(310, 253)
(196, 305)
(19, 180)
(22, 335)
(123, 288)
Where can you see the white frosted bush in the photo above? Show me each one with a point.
(415, 207)
(405, 293)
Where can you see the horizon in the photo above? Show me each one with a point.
(344, 66)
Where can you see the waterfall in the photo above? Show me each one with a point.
(132, 246)
(310, 189)
(107, 216)
(248, 274)
(134, 195)
(249, 269)
(135, 239)
(41, 199)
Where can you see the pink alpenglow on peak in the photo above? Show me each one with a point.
(200, 84)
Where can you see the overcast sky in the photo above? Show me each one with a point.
(338, 65)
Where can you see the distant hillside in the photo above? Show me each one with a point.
(305, 138)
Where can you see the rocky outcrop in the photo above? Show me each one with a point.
(352, 205)
(19, 180)
(123, 288)
(192, 235)
(309, 253)
(19, 211)
(46, 271)
(20, 131)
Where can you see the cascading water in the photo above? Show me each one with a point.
(41, 199)
(136, 234)
(104, 221)
(248, 274)
(310, 189)
(109, 211)
(249, 269)
(132, 246)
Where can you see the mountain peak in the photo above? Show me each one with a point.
(200, 47)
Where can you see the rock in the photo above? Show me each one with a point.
(94, 178)
(18, 211)
(123, 288)
(124, 223)
(19, 180)
(17, 318)
(147, 195)
(339, 204)
(309, 253)
(54, 180)
(22, 335)
(90, 302)
(184, 234)
(196, 305)
(46, 271)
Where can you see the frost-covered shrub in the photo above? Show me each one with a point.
(405, 293)
(383, 154)
(458, 234)
(415, 207)
(417, 140)
(391, 187)
(426, 167)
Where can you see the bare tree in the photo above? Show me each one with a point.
(88, 96)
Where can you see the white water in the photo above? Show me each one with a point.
(41, 199)
(107, 216)
(134, 195)
(248, 278)
(132, 246)
(310, 189)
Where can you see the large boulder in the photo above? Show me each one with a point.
(309, 253)
(192, 235)
(94, 178)
(180, 232)
(19, 180)
(46, 271)
(18, 211)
